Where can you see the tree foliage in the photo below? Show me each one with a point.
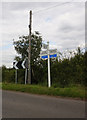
(64, 72)
(21, 47)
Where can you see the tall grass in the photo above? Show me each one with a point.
(74, 92)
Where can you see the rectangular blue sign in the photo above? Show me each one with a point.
(55, 55)
(46, 56)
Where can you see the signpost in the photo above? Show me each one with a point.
(47, 54)
(51, 56)
(14, 66)
(51, 52)
(21, 65)
(49, 81)
(25, 75)
(44, 46)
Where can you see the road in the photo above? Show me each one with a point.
(24, 105)
(0, 104)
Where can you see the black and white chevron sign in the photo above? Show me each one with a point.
(20, 64)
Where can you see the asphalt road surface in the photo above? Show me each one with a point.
(24, 105)
(0, 104)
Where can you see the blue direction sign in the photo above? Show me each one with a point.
(55, 55)
(51, 56)
(44, 57)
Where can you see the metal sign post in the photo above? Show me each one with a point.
(47, 54)
(20, 65)
(16, 76)
(49, 83)
(25, 76)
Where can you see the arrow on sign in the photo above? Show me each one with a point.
(26, 63)
(20, 64)
(23, 64)
(15, 65)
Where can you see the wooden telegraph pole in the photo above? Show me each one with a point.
(29, 53)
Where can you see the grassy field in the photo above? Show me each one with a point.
(74, 92)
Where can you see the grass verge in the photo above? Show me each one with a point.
(0, 85)
(74, 92)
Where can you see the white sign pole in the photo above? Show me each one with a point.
(25, 75)
(49, 83)
(16, 76)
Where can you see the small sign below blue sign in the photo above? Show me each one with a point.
(51, 56)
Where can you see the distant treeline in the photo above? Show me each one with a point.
(65, 72)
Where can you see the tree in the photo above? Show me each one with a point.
(21, 47)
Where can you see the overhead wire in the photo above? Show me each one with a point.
(64, 3)
(51, 7)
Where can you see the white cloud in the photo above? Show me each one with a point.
(8, 56)
(63, 26)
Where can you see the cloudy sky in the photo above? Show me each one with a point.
(60, 23)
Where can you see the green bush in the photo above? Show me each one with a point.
(63, 72)
(8, 75)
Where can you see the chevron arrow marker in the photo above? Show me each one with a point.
(23, 64)
(14, 65)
